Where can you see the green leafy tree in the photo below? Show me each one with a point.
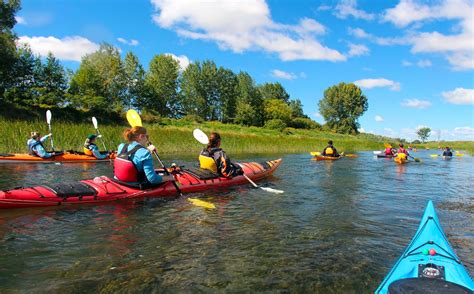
(134, 80)
(277, 109)
(51, 81)
(423, 133)
(8, 52)
(99, 80)
(274, 91)
(297, 109)
(341, 107)
(249, 108)
(227, 84)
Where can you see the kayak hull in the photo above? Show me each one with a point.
(384, 156)
(320, 157)
(66, 157)
(398, 160)
(418, 262)
(103, 189)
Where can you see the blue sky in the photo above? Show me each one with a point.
(414, 61)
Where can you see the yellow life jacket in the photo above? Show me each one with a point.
(329, 151)
(402, 156)
(87, 151)
(206, 162)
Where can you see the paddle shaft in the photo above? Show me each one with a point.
(166, 170)
(51, 137)
(250, 181)
(102, 140)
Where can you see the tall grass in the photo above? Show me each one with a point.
(175, 136)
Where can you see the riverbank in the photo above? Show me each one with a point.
(175, 136)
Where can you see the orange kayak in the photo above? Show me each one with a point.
(399, 160)
(66, 157)
(320, 157)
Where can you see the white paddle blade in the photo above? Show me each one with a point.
(200, 136)
(94, 122)
(271, 190)
(377, 152)
(48, 116)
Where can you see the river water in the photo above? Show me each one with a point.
(338, 228)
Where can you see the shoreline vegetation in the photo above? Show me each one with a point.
(175, 136)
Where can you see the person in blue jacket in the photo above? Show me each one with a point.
(36, 147)
(91, 149)
(134, 163)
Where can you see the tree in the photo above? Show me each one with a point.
(161, 82)
(341, 107)
(423, 133)
(277, 109)
(297, 109)
(249, 109)
(51, 81)
(227, 84)
(134, 80)
(8, 52)
(274, 91)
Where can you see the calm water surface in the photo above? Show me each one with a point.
(338, 228)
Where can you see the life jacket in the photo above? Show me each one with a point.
(31, 148)
(88, 147)
(329, 151)
(402, 156)
(124, 168)
(206, 161)
(402, 150)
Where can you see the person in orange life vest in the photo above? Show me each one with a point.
(134, 163)
(402, 152)
(91, 149)
(36, 147)
(330, 150)
(215, 159)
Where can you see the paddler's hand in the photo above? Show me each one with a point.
(151, 148)
(167, 178)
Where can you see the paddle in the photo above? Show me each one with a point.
(202, 138)
(96, 126)
(415, 158)
(48, 120)
(377, 152)
(202, 203)
(135, 120)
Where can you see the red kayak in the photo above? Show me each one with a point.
(103, 189)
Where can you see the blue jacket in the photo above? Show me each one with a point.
(143, 162)
(95, 150)
(36, 147)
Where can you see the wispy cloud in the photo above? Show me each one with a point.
(378, 118)
(131, 42)
(358, 50)
(242, 26)
(459, 96)
(20, 20)
(378, 83)
(416, 103)
(182, 59)
(347, 8)
(280, 74)
(68, 48)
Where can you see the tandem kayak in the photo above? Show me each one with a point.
(384, 156)
(66, 157)
(429, 264)
(398, 160)
(103, 189)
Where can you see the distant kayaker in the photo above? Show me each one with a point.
(447, 152)
(215, 159)
(402, 153)
(91, 149)
(36, 147)
(134, 163)
(330, 150)
(389, 151)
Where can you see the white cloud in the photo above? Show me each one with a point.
(378, 118)
(182, 59)
(244, 25)
(303, 75)
(358, 50)
(459, 96)
(457, 48)
(361, 34)
(283, 74)
(68, 48)
(415, 103)
(464, 131)
(406, 63)
(424, 63)
(20, 20)
(375, 83)
(361, 130)
(324, 7)
(347, 8)
(131, 42)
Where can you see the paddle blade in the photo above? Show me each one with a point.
(377, 152)
(48, 116)
(315, 153)
(94, 122)
(417, 159)
(202, 203)
(459, 154)
(434, 155)
(271, 190)
(200, 136)
(351, 155)
(133, 118)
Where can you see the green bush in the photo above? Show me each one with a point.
(304, 123)
(275, 124)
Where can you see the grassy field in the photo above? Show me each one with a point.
(175, 136)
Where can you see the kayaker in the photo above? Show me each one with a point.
(91, 149)
(215, 159)
(36, 147)
(447, 152)
(402, 153)
(134, 162)
(389, 151)
(330, 150)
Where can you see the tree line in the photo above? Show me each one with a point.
(106, 82)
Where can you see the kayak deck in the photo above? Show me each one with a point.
(66, 157)
(428, 256)
(103, 189)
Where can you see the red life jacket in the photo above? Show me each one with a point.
(388, 151)
(402, 150)
(124, 168)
